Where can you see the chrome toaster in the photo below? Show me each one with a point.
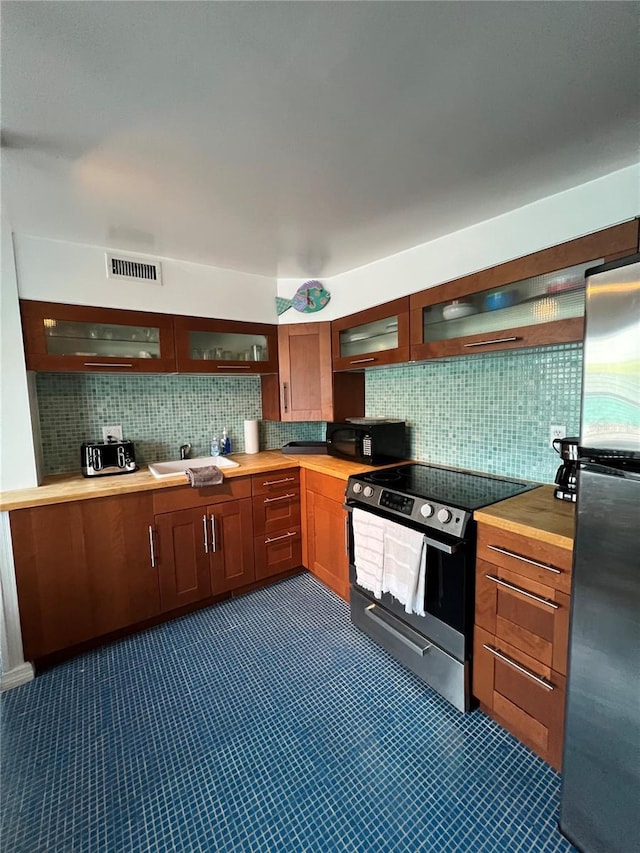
(101, 458)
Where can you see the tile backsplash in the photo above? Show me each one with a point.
(488, 412)
(157, 412)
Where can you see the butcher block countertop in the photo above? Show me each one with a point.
(63, 488)
(537, 514)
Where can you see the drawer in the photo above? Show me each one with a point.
(186, 497)
(275, 554)
(275, 512)
(324, 484)
(531, 616)
(531, 558)
(523, 695)
(275, 481)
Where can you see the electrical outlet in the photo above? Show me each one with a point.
(112, 432)
(556, 431)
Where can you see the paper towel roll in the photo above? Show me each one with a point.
(251, 443)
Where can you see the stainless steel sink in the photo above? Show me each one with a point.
(179, 466)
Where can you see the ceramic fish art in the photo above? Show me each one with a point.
(308, 298)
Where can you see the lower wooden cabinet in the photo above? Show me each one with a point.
(83, 569)
(521, 636)
(326, 531)
(276, 522)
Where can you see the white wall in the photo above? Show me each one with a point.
(582, 210)
(17, 458)
(75, 273)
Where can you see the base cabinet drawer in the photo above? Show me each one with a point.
(523, 695)
(278, 552)
(276, 512)
(539, 561)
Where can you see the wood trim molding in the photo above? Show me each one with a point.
(17, 670)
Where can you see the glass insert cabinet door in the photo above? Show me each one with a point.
(225, 346)
(496, 317)
(376, 336)
(72, 337)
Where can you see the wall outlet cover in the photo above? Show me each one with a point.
(112, 432)
(556, 431)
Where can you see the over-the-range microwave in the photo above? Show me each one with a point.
(368, 441)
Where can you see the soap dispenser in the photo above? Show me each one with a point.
(215, 446)
(225, 444)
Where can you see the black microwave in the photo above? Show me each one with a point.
(370, 442)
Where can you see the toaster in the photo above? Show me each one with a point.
(101, 458)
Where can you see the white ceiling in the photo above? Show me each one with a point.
(305, 138)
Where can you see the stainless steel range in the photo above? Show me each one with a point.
(438, 503)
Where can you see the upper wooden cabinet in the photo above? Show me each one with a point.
(306, 388)
(225, 346)
(535, 300)
(81, 338)
(376, 336)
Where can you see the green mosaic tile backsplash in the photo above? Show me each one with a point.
(157, 412)
(488, 412)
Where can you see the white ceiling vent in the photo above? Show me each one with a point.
(130, 269)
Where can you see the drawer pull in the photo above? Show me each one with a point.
(545, 566)
(546, 601)
(281, 498)
(277, 538)
(419, 646)
(362, 360)
(105, 364)
(275, 482)
(206, 538)
(233, 366)
(494, 341)
(542, 681)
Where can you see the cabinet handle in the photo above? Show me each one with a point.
(277, 538)
(105, 364)
(421, 647)
(285, 396)
(542, 681)
(362, 360)
(494, 341)
(233, 367)
(546, 601)
(213, 534)
(281, 498)
(275, 482)
(346, 534)
(206, 539)
(151, 548)
(525, 559)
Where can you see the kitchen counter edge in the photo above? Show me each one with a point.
(64, 488)
(536, 514)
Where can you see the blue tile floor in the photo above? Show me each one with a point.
(265, 723)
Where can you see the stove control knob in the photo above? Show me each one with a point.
(444, 516)
(368, 491)
(357, 488)
(426, 510)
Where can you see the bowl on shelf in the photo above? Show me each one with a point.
(457, 309)
(500, 299)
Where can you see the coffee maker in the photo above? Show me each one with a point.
(566, 479)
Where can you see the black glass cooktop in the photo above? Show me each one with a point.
(453, 488)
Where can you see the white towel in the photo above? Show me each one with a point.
(368, 542)
(404, 566)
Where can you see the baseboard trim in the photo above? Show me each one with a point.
(17, 676)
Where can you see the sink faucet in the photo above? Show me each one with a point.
(185, 450)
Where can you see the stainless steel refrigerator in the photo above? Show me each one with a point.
(600, 807)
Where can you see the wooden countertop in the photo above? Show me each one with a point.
(63, 488)
(537, 514)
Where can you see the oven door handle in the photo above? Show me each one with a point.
(433, 543)
(418, 645)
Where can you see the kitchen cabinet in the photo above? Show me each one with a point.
(306, 389)
(83, 569)
(81, 338)
(326, 531)
(373, 337)
(276, 522)
(523, 588)
(225, 346)
(534, 300)
(204, 542)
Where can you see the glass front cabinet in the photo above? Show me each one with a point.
(373, 337)
(79, 338)
(225, 346)
(532, 301)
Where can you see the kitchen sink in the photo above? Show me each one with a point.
(179, 466)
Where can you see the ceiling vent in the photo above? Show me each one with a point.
(129, 269)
